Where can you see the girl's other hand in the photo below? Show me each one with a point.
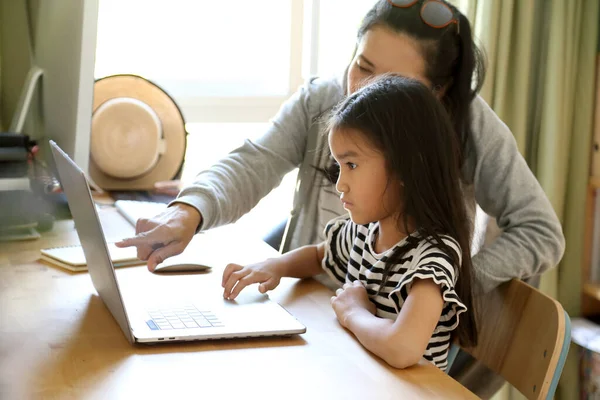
(237, 277)
(350, 298)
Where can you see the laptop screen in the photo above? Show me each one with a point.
(92, 239)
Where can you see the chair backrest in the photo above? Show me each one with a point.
(524, 337)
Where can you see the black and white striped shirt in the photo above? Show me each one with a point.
(350, 255)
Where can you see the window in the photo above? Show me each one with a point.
(212, 57)
(463, 5)
(229, 65)
(229, 61)
(337, 22)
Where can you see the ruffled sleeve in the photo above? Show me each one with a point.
(339, 238)
(433, 263)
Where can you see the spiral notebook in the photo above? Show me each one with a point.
(73, 259)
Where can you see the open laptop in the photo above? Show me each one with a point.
(203, 317)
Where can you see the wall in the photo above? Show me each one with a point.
(15, 60)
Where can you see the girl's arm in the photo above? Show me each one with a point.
(400, 343)
(300, 263)
(303, 262)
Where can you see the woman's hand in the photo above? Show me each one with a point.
(350, 298)
(237, 277)
(164, 235)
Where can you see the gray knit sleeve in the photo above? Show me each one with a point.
(235, 184)
(532, 240)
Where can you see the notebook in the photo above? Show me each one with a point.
(73, 259)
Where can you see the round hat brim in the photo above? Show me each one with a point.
(173, 125)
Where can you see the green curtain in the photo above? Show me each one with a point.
(572, 64)
(541, 68)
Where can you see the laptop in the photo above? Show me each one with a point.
(198, 317)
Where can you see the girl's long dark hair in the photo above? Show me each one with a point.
(453, 63)
(406, 123)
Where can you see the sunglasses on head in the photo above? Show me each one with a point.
(434, 13)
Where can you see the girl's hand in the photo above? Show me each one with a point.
(350, 298)
(237, 277)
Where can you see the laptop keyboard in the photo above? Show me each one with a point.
(184, 317)
(133, 210)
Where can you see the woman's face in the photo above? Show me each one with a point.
(381, 50)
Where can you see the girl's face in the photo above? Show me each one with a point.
(366, 192)
(381, 50)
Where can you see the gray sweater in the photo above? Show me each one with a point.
(504, 187)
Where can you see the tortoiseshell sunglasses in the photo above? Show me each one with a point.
(434, 13)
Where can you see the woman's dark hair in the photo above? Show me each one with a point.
(403, 120)
(453, 63)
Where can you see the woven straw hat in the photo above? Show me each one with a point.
(138, 134)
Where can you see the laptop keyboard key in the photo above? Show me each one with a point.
(203, 323)
(152, 325)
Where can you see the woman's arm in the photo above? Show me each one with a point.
(234, 185)
(400, 343)
(532, 240)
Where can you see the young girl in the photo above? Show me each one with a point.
(402, 255)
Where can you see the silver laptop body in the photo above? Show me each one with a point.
(194, 316)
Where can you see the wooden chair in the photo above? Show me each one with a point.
(524, 337)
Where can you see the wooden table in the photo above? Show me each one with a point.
(59, 341)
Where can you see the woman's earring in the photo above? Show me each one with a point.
(439, 91)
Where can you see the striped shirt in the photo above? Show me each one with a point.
(350, 255)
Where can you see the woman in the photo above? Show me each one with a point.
(426, 40)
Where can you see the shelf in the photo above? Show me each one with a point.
(595, 182)
(14, 184)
